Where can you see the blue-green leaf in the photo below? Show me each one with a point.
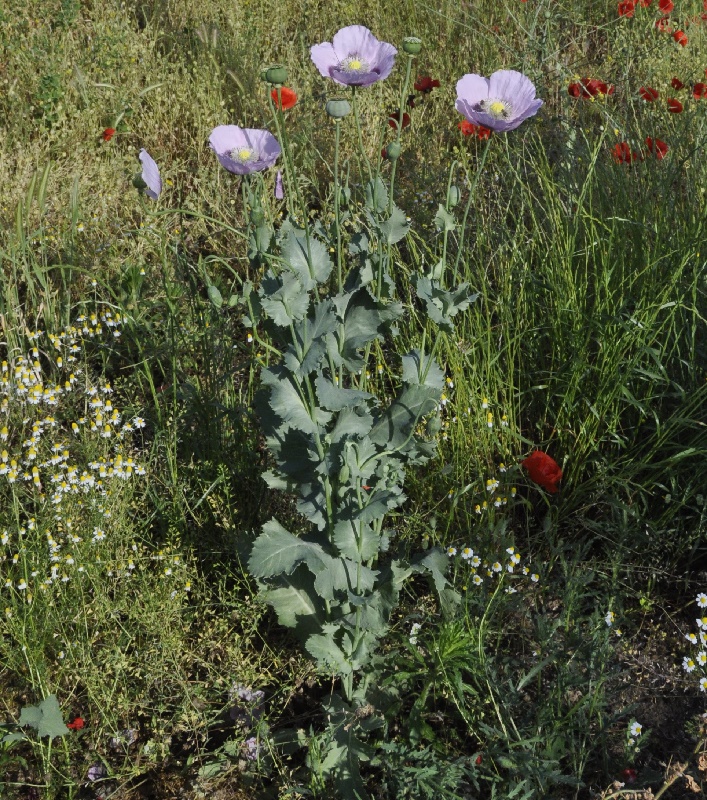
(422, 369)
(309, 259)
(45, 718)
(335, 399)
(278, 551)
(396, 227)
(284, 299)
(286, 401)
(397, 424)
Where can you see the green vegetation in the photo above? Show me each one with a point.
(509, 634)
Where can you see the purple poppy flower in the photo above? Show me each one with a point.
(279, 189)
(150, 174)
(244, 150)
(354, 57)
(500, 102)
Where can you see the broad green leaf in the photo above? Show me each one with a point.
(350, 423)
(335, 399)
(397, 424)
(45, 718)
(379, 505)
(444, 221)
(396, 227)
(278, 551)
(414, 367)
(328, 655)
(311, 336)
(295, 602)
(309, 259)
(376, 195)
(286, 303)
(286, 401)
(443, 305)
(356, 539)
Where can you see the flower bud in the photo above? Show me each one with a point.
(338, 108)
(392, 151)
(412, 45)
(276, 74)
(257, 217)
(138, 182)
(454, 196)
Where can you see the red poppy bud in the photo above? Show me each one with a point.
(288, 97)
(108, 134)
(648, 94)
(479, 759)
(699, 91)
(627, 8)
(543, 469)
(674, 106)
(666, 6)
(676, 83)
(680, 38)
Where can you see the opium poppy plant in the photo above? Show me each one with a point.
(674, 106)
(288, 97)
(425, 84)
(544, 470)
(648, 94)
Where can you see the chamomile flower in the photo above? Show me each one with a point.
(451, 551)
(702, 600)
(688, 664)
(609, 618)
(636, 729)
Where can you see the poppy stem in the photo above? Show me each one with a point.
(472, 191)
(399, 127)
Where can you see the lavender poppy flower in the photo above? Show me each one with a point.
(500, 102)
(354, 57)
(244, 150)
(150, 175)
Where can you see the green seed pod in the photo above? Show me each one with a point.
(392, 151)
(412, 45)
(276, 74)
(257, 217)
(338, 107)
(434, 424)
(215, 296)
(344, 474)
(138, 182)
(454, 196)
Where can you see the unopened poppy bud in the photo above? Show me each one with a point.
(276, 74)
(412, 45)
(392, 151)
(338, 108)
(138, 182)
(257, 217)
(454, 196)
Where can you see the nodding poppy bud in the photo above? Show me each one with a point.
(453, 196)
(257, 217)
(338, 108)
(392, 151)
(276, 74)
(412, 45)
(139, 183)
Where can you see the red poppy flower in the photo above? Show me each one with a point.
(589, 87)
(676, 83)
(629, 775)
(483, 132)
(544, 470)
(467, 128)
(674, 106)
(425, 84)
(657, 146)
(699, 91)
(663, 24)
(627, 8)
(108, 134)
(394, 118)
(666, 6)
(288, 97)
(680, 38)
(410, 102)
(644, 3)
(76, 725)
(647, 93)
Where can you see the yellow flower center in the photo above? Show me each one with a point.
(496, 108)
(244, 154)
(354, 64)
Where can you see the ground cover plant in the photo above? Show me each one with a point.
(352, 400)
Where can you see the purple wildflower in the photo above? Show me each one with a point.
(151, 175)
(252, 749)
(354, 57)
(500, 102)
(279, 189)
(244, 150)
